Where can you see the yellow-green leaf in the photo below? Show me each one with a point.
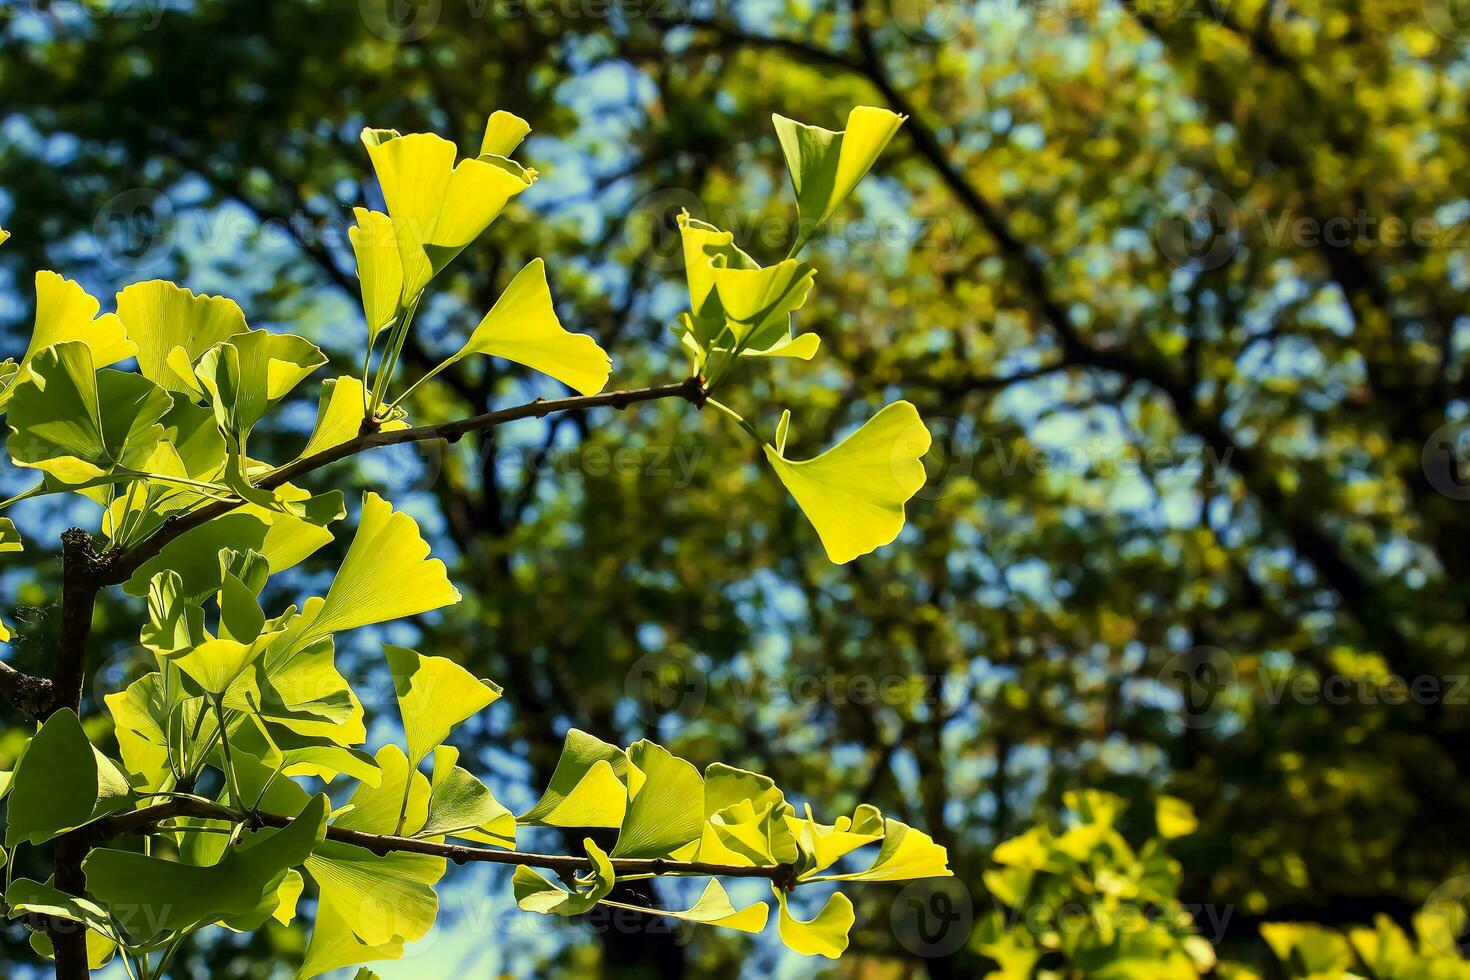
(825, 166)
(523, 327)
(161, 318)
(379, 268)
(67, 312)
(434, 695)
(854, 493)
(586, 788)
(823, 935)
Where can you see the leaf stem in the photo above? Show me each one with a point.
(738, 419)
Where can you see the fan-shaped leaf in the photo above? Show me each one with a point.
(825, 166)
(434, 695)
(854, 493)
(161, 317)
(823, 935)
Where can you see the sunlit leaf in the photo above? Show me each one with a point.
(438, 207)
(854, 493)
(586, 788)
(823, 935)
(535, 894)
(376, 809)
(380, 899)
(77, 424)
(235, 886)
(666, 803)
(387, 574)
(379, 268)
(462, 806)
(161, 318)
(906, 853)
(434, 695)
(714, 909)
(339, 416)
(825, 166)
(66, 312)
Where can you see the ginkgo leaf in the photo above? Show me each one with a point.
(279, 905)
(758, 303)
(9, 536)
(250, 372)
(906, 854)
(751, 833)
(535, 894)
(140, 716)
(305, 755)
(462, 806)
(380, 899)
(77, 424)
(713, 909)
(161, 317)
(825, 166)
(503, 133)
(854, 493)
(339, 416)
(61, 782)
(825, 844)
(823, 935)
(434, 695)
(438, 207)
(706, 248)
(27, 897)
(523, 327)
(302, 690)
(236, 885)
(376, 809)
(803, 347)
(387, 574)
(216, 665)
(67, 312)
(4, 236)
(334, 945)
(586, 788)
(665, 806)
(732, 297)
(379, 268)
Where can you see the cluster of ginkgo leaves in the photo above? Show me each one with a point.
(240, 779)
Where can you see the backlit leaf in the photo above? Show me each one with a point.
(854, 493)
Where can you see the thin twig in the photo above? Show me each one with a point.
(123, 564)
(149, 817)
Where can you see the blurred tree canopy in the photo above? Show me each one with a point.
(1183, 300)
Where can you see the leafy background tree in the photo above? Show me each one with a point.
(1192, 458)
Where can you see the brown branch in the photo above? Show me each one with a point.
(147, 818)
(81, 579)
(29, 694)
(123, 564)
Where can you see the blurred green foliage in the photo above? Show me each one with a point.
(1187, 283)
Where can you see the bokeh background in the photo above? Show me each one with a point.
(1180, 286)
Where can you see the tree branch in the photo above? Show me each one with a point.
(123, 564)
(147, 818)
(30, 695)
